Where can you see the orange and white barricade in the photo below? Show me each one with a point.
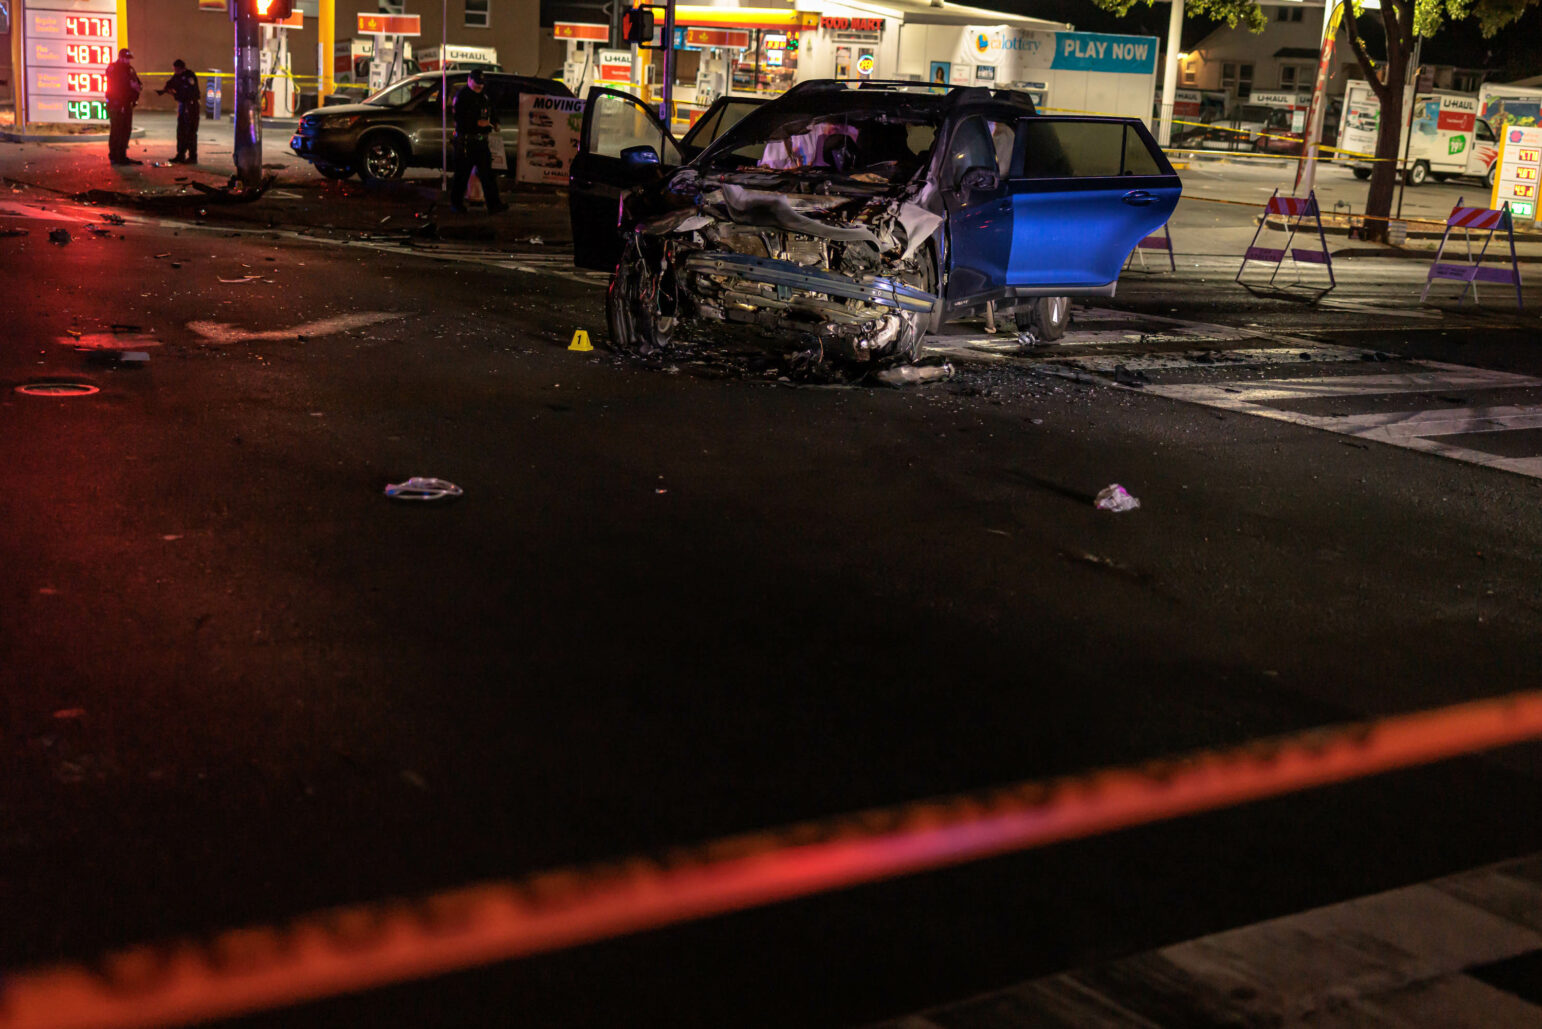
(1156, 241)
(1470, 219)
(1298, 209)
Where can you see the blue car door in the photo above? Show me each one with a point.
(1084, 192)
(1049, 206)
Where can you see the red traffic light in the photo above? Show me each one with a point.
(637, 25)
(272, 10)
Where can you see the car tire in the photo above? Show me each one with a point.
(382, 158)
(1361, 173)
(1488, 178)
(1046, 317)
(637, 325)
(1418, 175)
(337, 171)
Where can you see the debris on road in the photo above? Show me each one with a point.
(112, 219)
(59, 236)
(913, 374)
(1115, 498)
(70, 713)
(8, 233)
(1124, 377)
(423, 488)
(241, 281)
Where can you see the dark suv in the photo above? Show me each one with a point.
(400, 127)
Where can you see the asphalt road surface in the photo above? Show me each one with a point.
(687, 600)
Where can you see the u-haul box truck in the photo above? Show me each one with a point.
(1446, 139)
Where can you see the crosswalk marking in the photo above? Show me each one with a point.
(1224, 394)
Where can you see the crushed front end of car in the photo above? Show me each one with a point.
(826, 258)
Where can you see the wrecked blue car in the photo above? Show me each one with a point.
(854, 218)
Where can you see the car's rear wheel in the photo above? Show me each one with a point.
(641, 319)
(1418, 174)
(1361, 173)
(337, 171)
(1046, 317)
(382, 158)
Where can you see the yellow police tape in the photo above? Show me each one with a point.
(370, 945)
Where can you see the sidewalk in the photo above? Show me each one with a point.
(299, 199)
(1462, 951)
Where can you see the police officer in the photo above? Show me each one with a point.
(122, 94)
(183, 88)
(474, 122)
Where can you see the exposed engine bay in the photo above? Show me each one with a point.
(817, 236)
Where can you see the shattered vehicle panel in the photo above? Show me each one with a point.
(826, 220)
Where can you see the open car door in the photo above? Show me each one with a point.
(1049, 206)
(614, 122)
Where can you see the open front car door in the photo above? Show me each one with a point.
(623, 145)
(1049, 205)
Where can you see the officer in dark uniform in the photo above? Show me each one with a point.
(474, 122)
(183, 88)
(122, 94)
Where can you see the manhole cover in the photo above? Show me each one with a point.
(57, 389)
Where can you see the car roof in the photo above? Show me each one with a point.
(946, 97)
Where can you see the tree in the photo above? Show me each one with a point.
(1404, 20)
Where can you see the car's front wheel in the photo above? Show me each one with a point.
(382, 158)
(1046, 317)
(639, 306)
(1361, 173)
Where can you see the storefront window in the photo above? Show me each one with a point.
(770, 65)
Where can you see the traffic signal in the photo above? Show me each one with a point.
(262, 10)
(636, 25)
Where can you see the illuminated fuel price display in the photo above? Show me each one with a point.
(95, 26)
(68, 46)
(1519, 171)
(86, 110)
(89, 53)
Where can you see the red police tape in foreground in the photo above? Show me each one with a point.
(360, 947)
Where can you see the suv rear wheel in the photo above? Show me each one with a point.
(382, 158)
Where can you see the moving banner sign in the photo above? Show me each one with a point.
(548, 138)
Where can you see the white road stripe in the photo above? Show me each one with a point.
(1397, 425)
(1242, 394)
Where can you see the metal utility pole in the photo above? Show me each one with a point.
(669, 67)
(1170, 73)
(248, 100)
(1411, 91)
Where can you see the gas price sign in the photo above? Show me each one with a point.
(67, 46)
(1519, 172)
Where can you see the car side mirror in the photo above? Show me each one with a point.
(979, 179)
(640, 162)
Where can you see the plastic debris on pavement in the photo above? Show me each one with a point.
(913, 374)
(1115, 498)
(421, 487)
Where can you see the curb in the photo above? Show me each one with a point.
(1334, 230)
(1397, 253)
(49, 137)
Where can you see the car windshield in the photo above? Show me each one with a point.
(405, 92)
(875, 138)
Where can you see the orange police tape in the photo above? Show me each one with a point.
(356, 948)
